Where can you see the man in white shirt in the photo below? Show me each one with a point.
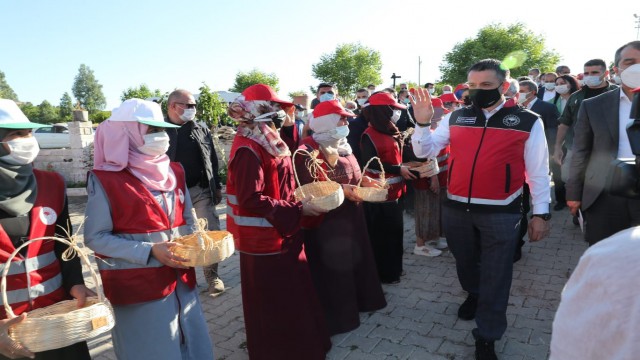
(492, 147)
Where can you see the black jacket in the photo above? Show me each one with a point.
(207, 151)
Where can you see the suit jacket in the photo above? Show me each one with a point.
(540, 93)
(595, 145)
(549, 115)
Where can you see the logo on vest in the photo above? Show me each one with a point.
(48, 216)
(511, 120)
(466, 120)
(181, 195)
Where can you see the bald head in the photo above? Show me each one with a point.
(178, 101)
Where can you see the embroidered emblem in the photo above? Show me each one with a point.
(511, 120)
(48, 216)
(181, 195)
(466, 120)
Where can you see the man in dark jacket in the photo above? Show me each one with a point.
(192, 146)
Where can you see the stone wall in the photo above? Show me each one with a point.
(72, 163)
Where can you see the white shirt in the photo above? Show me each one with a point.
(624, 148)
(548, 95)
(529, 105)
(427, 144)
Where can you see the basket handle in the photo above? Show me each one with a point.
(295, 172)
(5, 271)
(366, 166)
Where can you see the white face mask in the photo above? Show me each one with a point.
(188, 115)
(431, 91)
(631, 76)
(550, 86)
(155, 144)
(592, 80)
(23, 151)
(522, 97)
(562, 89)
(361, 101)
(617, 79)
(396, 116)
(340, 132)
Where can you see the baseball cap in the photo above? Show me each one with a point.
(330, 107)
(450, 97)
(263, 92)
(384, 98)
(11, 117)
(143, 111)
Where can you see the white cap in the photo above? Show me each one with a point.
(142, 111)
(11, 117)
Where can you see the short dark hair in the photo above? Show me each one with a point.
(596, 62)
(362, 90)
(530, 84)
(562, 68)
(427, 85)
(490, 64)
(370, 85)
(618, 56)
(331, 85)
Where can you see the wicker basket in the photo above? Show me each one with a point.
(427, 168)
(327, 195)
(372, 194)
(217, 246)
(61, 324)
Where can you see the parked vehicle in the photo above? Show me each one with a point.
(54, 137)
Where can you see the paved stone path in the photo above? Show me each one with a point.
(420, 320)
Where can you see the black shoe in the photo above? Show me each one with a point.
(518, 255)
(576, 221)
(559, 206)
(467, 311)
(484, 349)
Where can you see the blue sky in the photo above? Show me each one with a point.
(180, 44)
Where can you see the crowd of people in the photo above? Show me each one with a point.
(472, 165)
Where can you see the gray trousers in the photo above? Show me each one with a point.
(205, 208)
(483, 245)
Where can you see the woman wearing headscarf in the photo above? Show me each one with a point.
(337, 243)
(138, 202)
(283, 317)
(384, 220)
(33, 204)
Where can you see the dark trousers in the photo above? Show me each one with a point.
(386, 230)
(77, 351)
(558, 184)
(483, 245)
(608, 215)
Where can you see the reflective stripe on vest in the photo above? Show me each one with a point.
(34, 263)
(245, 220)
(479, 201)
(42, 289)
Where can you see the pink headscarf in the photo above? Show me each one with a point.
(116, 148)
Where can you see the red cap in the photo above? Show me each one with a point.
(384, 98)
(450, 98)
(461, 86)
(330, 107)
(436, 102)
(263, 92)
(412, 90)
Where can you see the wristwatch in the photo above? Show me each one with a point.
(423, 125)
(545, 217)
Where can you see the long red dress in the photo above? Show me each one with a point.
(283, 317)
(339, 251)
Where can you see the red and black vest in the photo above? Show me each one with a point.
(252, 233)
(137, 215)
(34, 281)
(486, 163)
(389, 152)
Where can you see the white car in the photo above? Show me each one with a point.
(54, 137)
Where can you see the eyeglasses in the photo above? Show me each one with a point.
(188, 106)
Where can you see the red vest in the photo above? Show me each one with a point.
(486, 164)
(137, 214)
(35, 281)
(252, 233)
(389, 152)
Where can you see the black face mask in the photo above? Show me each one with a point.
(467, 100)
(278, 118)
(484, 98)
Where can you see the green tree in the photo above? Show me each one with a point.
(47, 113)
(66, 107)
(87, 90)
(351, 66)
(30, 111)
(255, 76)
(211, 108)
(297, 93)
(141, 92)
(6, 92)
(518, 47)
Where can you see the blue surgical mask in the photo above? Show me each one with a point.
(340, 132)
(406, 100)
(326, 97)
